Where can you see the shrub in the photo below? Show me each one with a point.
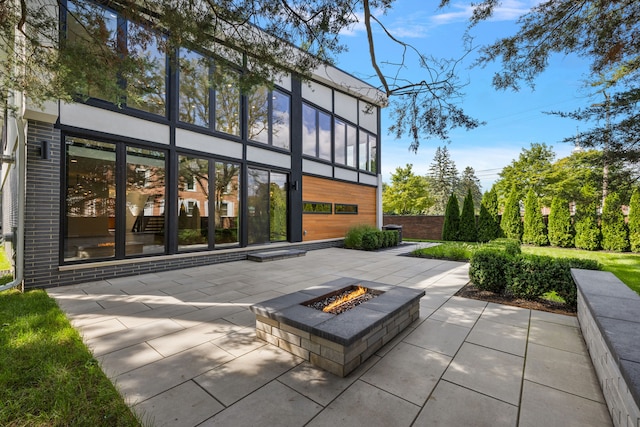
(534, 229)
(451, 227)
(488, 221)
(370, 240)
(614, 230)
(353, 239)
(634, 221)
(487, 269)
(511, 223)
(564, 285)
(560, 228)
(529, 276)
(468, 231)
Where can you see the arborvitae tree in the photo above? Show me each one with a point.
(511, 224)
(451, 227)
(634, 221)
(534, 228)
(614, 230)
(588, 234)
(468, 231)
(560, 227)
(489, 221)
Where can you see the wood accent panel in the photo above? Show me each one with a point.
(322, 226)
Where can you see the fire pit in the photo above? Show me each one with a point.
(338, 343)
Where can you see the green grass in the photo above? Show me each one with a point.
(4, 261)
(624, 265)
(47, 375)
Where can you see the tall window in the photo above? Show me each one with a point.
(344, 143)
(226, 83)
(368, 151)
(316, 133)
(269, 117)
(227, 203)
(193, 202)
(194, 88)
(91, 199)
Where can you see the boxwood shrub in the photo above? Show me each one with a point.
(487, 269)
(370, 238)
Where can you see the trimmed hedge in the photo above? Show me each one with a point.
(369, 238)
(527, 276)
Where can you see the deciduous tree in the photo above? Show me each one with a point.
(407, 194)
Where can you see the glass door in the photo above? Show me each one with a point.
(267, 206)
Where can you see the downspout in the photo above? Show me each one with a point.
(21, 165)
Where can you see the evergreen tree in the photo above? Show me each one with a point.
(451, 227)
(470, 182)
(511, 223)
(443, 180)
(489, 220)
(534, 228)
(614, 230)
(560, 228)
(634, 221)
(588, 234)
(468, 231)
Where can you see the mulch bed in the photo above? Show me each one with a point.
(470, 291)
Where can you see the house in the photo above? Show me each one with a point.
(187, 174)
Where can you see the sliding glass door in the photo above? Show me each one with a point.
(267, 206)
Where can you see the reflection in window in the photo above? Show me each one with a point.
(227, 100)
(316, 133)
(269, 117)
(146, 91)
(367, 152)
(93, 32)
(91, 199)
(344, 143)
(227, 203)
(343, 208)
(193, 207)
(194, 88)
(316, 207)
(145, 195)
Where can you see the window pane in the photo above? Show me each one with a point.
(372, 154)
(278, 207)
(258, 115)
(351, 145)
(363, 151)
(194, 88)
(258, 200)
(91, 199)
(227, 203)
(324, 136)
(309, 135)
(280, 125)
(193, 202)
(227, 108)
(145, 201)
(92, 34)
(146, 90)
(339, 141)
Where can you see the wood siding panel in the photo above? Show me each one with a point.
(323, 226)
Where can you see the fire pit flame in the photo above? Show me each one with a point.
(345, 298)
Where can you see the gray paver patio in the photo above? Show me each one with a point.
(181, 348)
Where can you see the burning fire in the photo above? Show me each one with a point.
(345, 298)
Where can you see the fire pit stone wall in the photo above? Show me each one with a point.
(336, 343)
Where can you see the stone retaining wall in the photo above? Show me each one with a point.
(609, 316)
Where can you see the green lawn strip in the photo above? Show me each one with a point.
(47, 375)
(4, 261)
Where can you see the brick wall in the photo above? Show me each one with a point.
(417, 226)
(43, 227)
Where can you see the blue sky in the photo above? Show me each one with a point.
(514, 119)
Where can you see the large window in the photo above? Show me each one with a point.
(344, 143)
(267, 206)
(316, 133)
(227, 203)
(269, 117)
(193, 206)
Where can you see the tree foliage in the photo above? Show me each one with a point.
(469, 182)
(614, 230)
(407, 194)
(560, 227)
(468, 231)
(587, 229)
(443, 179)
(535, 232)
(451, 227)
(511, 223)
(489, 220)
(634, 221)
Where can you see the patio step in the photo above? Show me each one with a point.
(275, 255)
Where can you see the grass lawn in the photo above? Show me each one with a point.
(48, 377)
(624, 265)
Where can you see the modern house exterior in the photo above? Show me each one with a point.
(187, 175)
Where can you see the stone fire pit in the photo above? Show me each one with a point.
(336, 343)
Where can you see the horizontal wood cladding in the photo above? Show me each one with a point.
(323, 226)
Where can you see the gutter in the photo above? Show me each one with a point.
(21, 164)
